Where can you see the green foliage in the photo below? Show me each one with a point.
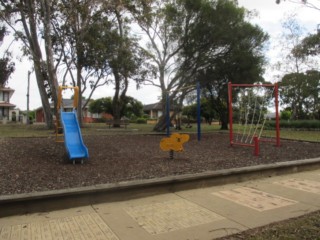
(190, 111)
(3, 32)
(141, 121)
(218, 50)
(206, 111)
(132, 108)
(6, 69)
(295, 124)
(102, 105)
(300, 91)
(145, 116)
(32, 115)
(285, 115)
(309, 46)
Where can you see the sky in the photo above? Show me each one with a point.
(269, 19)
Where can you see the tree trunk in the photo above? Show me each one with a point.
(32, 37)
(161, 124)
(119, 98)
(43, 94)
(53, 82)
(224, 120)
(162, 121)
(79, 107)
(116, 112)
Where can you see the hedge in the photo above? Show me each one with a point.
(295, 124)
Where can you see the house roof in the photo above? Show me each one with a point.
(158, 107)
(66, 103)
(9, 90)
(153, 106)
(6, 104)
(4, 89)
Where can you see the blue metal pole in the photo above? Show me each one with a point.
(198, 111)
(168, 113)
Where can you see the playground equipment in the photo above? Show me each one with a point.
(174, 143)
(253, 100)
(67, 126)
(168, 119)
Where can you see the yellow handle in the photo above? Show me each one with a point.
(75, 97)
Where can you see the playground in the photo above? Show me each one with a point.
(33, 164)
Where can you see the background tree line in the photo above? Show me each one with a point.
(179, 42)
(300, 77)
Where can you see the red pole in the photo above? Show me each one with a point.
(256, 146)
(230, 112)
(276, 92)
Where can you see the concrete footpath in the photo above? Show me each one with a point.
(202, 213)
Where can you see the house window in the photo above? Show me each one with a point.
(6, 96)
(1, 96)
(5, 112)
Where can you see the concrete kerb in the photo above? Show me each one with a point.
(75, 197)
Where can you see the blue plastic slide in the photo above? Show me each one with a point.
(72, 136)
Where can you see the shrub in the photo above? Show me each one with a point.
(141, 121)
(285, 115)
(296, 124)
(100, 120)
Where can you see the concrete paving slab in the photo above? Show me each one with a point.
(254, 210)
(301, 184)
(79, 227)
(205, 213)
(255, 199)
(303, 187)
(45, 216)
(165, 216)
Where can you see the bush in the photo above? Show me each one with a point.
(145, 116)
(296, 124)
(285, 115)
(141, 121)
(100, 120)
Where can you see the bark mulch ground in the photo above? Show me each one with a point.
(41, 164)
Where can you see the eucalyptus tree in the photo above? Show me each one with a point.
(127, 61)
(315, 4)
(221, 47)
(132, 107)
(199, 40)
(6, 69)
(101, 105)
(93, 42)
(6, 66)
(292, 59)
(73, 22)
(30, 20)
(300, 92)
(165, 26)
(299, 56)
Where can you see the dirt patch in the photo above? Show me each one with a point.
(304, 227)
(40, 164)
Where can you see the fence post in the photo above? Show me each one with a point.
(256, 146)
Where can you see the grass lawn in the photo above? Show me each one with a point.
(40, 130)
